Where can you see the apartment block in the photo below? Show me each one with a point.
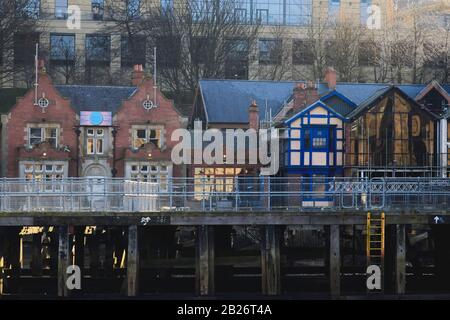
(87, 51)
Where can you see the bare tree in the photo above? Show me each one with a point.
(194, 40)
(64, 62)
(317, 36)
(436, 51)
(98, 60)
(336, 45)
(213, 39)
(342, 52)
(303, 60)
(405, 41)
(388, 52)
(375, 55)
(274, 58)
(18, 29)
(396, 53)
(437, 57)
(417, 41)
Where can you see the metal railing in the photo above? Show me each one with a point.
(223, 194)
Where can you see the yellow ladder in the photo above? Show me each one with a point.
(375, 239)
(1, 275)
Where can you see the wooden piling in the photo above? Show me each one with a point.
(14, 259)
(388, 268)
(2, 260)
(94, 253)
(109, 251)
(400, 261)
(79, 247)
(441, 236)
(79, 251)
(335, 260)
(205, 264)
(36, 262)
(1, 274)
(270, 261)
(63, 260)
(53, 247)
(326, 252)
(133, 261)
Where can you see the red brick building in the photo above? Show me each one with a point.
(39, 134)
(145, 123)
(79, 130)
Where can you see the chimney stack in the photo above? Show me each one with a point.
(331, 78)
(304, 96)
(253, 116)
(41, 67)
(138, 75)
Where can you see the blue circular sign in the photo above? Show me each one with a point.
(96, 118)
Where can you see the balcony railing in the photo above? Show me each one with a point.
(238, 194)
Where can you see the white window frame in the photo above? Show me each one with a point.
(149, 171)
(96, 137)
(43, 136)
(148, 130)
(44, 171)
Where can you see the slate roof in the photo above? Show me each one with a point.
(95, 98)
(412, 90)
(227, 101)
(359, 92)
(380, 94)
(356, 92)
(446, 87)
(369, 101)
(339, 105)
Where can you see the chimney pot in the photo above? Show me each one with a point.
(41, 66)
(253, 115)
(300, 86)
(304, 95)
(138, 74)
(331, 78)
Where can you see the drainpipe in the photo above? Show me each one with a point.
(114, 169)
(77, 152)
(443, 145)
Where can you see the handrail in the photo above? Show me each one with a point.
(230, 193)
